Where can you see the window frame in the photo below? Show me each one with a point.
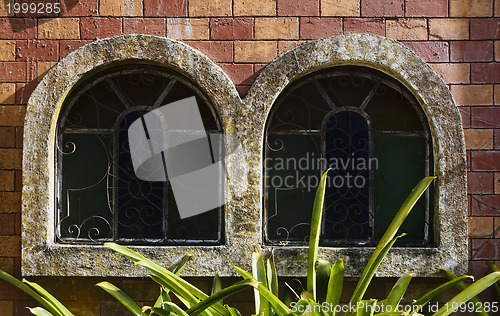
(245, 119)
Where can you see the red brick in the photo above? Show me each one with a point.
(7, 224)
(10, 246)
(161, 8)
(7, 137)
(480, 227)
(485, 73)
(231, 28)
(478, 138)
(12, 72)
(364, 25)
(150, 26)
(39, 50)
(314, 28)
(486, 249)
(430, 51)
(372, 8)
(485, 117)
(240, 74)
(465, 113)
(95, 28)
(426, 8)
(18, 181)
(485, 205)
(485, 28)
(79, 8)
(68, 46)
(11, 158)
(19, 137)
(7, 265)
(485, 160)
(15, 28)
(10, 202)
(218, 51)
(298, 8)
(471, 51)
(496, 139)
(24, 90)
(480, 182)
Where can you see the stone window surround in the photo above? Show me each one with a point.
(246, 119)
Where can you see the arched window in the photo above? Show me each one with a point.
(371, 132)
(99, 196)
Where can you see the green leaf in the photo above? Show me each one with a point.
(272, 276)
(426, 298)
(28, 290)
(322, 277)
(162, 298)
(40, 311)
(176, 309)
(388, 238)
(46, 295)
(461, 286)
(470, 292)
(235, 288)
(335, 285)
(494, 268)
(181, 288)
(177, 268)
(366, 308)
(217, 286)
(397, 291)
(233, 311)
(161, 312)
(317, 214)
(121, 297)
(259, 273)
(279, 307)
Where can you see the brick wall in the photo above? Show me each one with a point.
(460, 39)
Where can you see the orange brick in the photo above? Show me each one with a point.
(496, 184)
(10, 246)
(189, 29)
(7, 181)
(4, 9)
(478, 138)
(497, 8)
(472, 94)
(448, 29)
(42, 68)
(452, 73)
(340, 8)
(12, 115)
(11, 159)
(276, 28)
(497, 95)
(120, 8)
(210, 8)
(285, 46)
(7, 50)
(7, 93)
(254, 51)
(407, 29)
(497, 231)
(471, 8)
(59, 28)
(10, 202)
(7, 308)
(480, 227)
(253, 8)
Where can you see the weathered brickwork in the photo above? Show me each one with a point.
(460, 39)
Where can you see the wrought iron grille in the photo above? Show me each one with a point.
(99, 198)
(371, 131)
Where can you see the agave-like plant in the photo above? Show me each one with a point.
(324, 282)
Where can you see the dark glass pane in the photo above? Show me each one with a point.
(140, 204)
(346, 89)
(293, 172)
(402, 164)
(347, 207)
(85, 208)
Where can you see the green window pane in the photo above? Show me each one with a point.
(85, 210)
(292, 178)
(401, 165)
